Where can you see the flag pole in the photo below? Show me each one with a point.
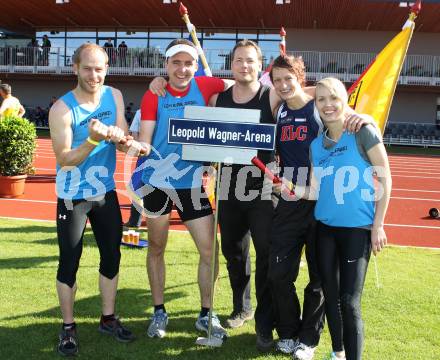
(283, 41)
(192, 30)
(372, 93)
(415, 9)
(211, 340)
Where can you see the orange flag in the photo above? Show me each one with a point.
(373, 92)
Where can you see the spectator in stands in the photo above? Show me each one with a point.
(31, 52)
(122, 53)
(109, 49)
(11, 105)
(41, 117)
(52, 101)
(4, 55)
(129, 114)
(46, 45)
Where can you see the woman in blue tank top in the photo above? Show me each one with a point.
(350, 213)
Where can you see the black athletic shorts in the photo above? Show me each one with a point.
(190, 203)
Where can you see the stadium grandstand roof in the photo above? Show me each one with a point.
(372, 15)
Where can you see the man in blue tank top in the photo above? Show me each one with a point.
(85, 124)
(171, 180)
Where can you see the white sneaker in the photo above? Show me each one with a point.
(286, 346)
(217, 330)
(304, 352)
(158, 324)
(334, 357)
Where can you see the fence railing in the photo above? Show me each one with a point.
(417, 69)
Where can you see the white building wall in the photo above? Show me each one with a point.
(415, 107)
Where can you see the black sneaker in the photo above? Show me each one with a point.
(264, 342)
(115, 328)
(238, 318)
(68, 344)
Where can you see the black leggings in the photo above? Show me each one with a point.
(343, 255)
(294, 227)
(236, 219)
(106, 221)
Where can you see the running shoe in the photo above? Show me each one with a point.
(238, 318)
(114, 328)
(158, 324)
(304, 352)
(286, 346)
(217, 329)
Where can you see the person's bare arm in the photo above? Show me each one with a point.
(146, 134)
(3, 107)
(120, 114)
(354, 122)
(158, 84)
(308, 192)
(275, 100)
(228, 83)
(21, 111)
(378, 158)
(126, 144)
(213, 100)
(61, 134)
(135, 135)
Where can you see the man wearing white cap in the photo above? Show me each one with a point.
(173, 180)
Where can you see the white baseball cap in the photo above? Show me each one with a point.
(173, 50)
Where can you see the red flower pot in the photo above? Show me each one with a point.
(12, 186)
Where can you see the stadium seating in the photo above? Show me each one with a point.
(418, 134)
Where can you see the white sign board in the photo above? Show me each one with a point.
(222, 154)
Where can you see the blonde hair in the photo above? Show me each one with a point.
(335, 86)
(247, 43)
(76, 58)
(6, 88)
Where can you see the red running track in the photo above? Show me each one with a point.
(416, 189)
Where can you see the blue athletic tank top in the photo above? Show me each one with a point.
(94, 176)
(346, 194)
(296, 129)
(164, 167)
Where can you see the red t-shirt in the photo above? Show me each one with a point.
(208, 86)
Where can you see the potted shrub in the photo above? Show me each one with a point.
(17, 145)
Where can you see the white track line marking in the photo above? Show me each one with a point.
(430, 191)
(414, 247)
(28, 200)
(398, 172)
(415, 226)
(417, 177)
(416, 157)
(417, 167)
(414, 199)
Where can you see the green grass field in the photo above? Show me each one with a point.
(402, 317)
